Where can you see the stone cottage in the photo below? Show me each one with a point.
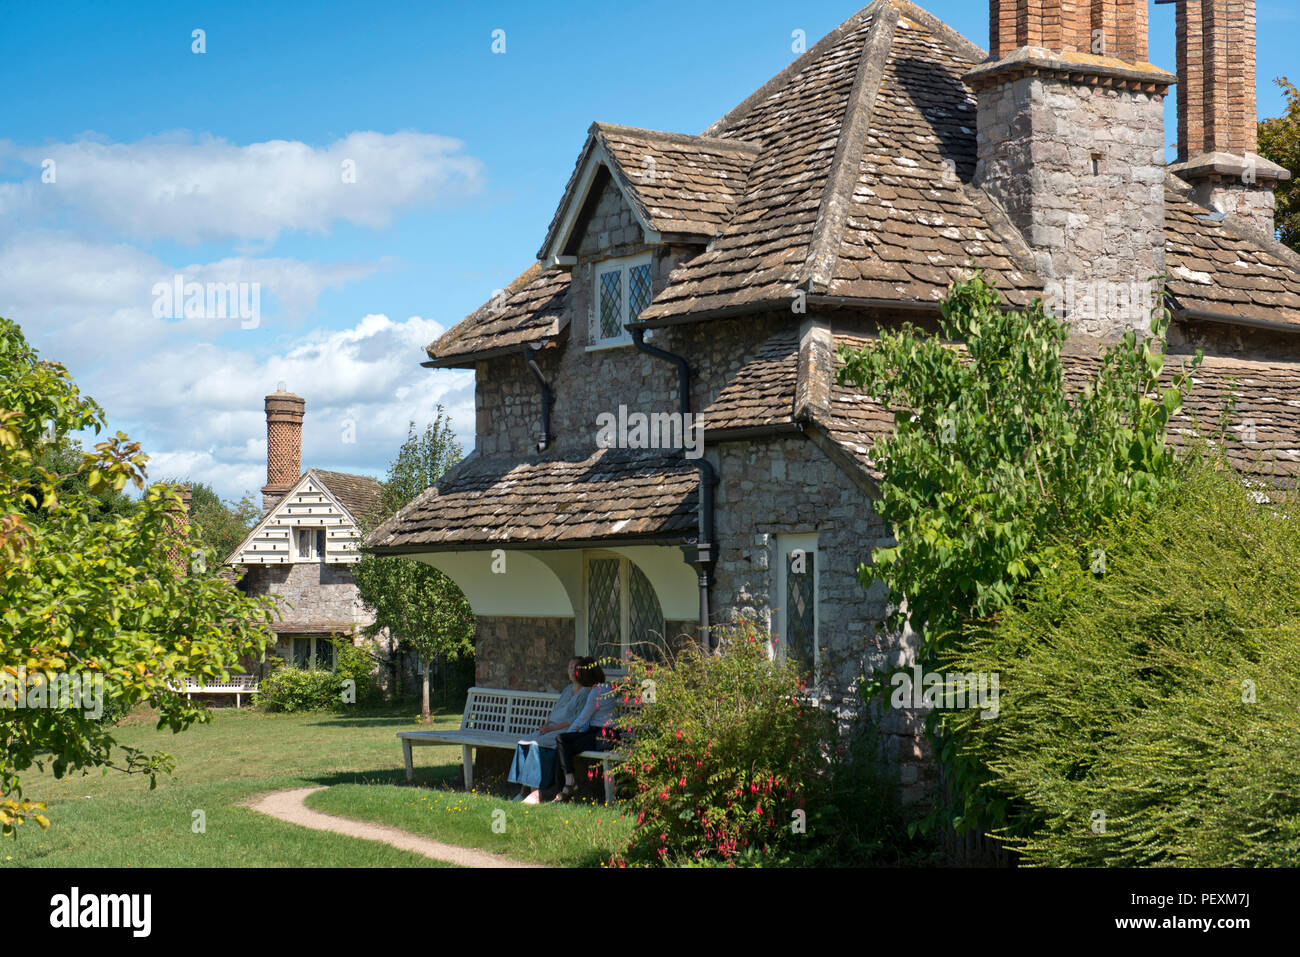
(716, 274)
(302, 548)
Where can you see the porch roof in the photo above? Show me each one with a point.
(609, 495)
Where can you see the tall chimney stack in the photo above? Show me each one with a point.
(284, 413)
(1217, 122)
(1071, 144)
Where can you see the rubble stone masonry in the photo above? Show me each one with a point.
(1080, 170)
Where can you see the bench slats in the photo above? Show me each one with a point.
(498, 718)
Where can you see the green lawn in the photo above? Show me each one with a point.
(114, 820)
(564, 835)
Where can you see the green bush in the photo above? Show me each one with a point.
(299, 689)
(1148, 706)
(354, 663)
(724, 757)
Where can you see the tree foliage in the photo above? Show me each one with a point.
(1149, 713)
(997, 472)
(417, 604)
(92, 594)
(221, 525)
(991, 456)
(1279, 142)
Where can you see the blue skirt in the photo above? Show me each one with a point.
(533, 766)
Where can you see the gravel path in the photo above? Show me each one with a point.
(288, 806)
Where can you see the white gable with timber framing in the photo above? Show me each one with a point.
(307, 516)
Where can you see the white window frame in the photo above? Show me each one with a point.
(624, 265)
(785, 545)
(314, 555)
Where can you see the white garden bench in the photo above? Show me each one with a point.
(496, 718)
(237, 685)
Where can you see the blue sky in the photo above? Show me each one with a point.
(224, 166)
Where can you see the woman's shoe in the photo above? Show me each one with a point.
(566, 794)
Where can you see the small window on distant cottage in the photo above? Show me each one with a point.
(310, 544)
(623, 290)
(312, 652)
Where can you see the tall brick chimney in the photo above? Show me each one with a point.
(284, 413)
(1071, 144)
(1217, 122)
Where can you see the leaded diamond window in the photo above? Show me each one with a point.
(611, 305)
(624, 616)
(647, 617)
(638, 289)
(800, 608)
(624, 288)
(604, 608)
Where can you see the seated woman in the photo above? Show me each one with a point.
(534, 764)
(592, 730)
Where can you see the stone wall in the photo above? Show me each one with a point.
(309, 591)
(1253, 205)
(787, 486)
(524, 654)
(1080, 170)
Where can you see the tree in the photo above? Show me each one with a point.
(418, 605)
(221, 525)
(996, 472)
(92, 608)
(1279, 142)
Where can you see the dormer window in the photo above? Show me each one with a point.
(309, 544)
(623, 290)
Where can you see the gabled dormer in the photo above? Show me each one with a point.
(314, 522)
(639, 202)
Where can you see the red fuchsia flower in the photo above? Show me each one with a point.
(679, 735)
(682, 782)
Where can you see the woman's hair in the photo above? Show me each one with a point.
(589, 673)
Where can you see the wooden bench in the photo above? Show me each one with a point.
(497, 718)
(237, 685)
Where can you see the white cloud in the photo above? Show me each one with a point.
(363, 385)
(85, 301)
(194, 189)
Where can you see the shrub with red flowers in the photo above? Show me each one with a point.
(723, 755)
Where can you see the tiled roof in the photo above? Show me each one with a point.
(1213, 267)
(1263, 439)
(861, 189)
(682, 184)
(314, 627)
(1257, 402)
(914, 222)
(528, 310)
(359, 494)
(761, 255)
(762, 392)
(849, 176)
(611, 494)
